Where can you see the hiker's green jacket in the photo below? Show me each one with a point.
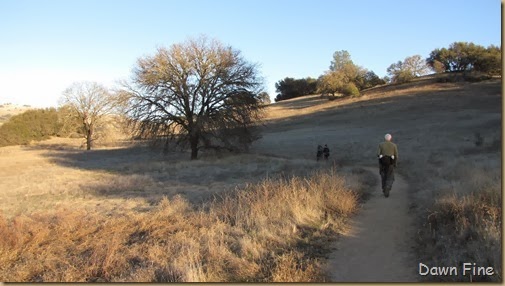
(388, 148)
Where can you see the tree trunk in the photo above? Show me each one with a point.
(89, 133)
(194, 147)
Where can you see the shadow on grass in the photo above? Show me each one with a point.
(141, 172)
(409, 117)
(97, 159)
(302, 102)
(133, 172)
(402, 108)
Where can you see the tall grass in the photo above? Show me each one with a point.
(464, 223)
(262, 232)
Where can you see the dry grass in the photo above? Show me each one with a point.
(71, 215)
(452, 172)
(312, 104)
(115, 180)
(259, 233)
(464, 223)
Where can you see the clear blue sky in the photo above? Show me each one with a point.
(47, 45)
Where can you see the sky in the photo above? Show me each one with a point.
(45, 46)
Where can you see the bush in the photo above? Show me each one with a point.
(475, 77)
(37, 124)
(466, 228)
(403, 77)
(350, 89)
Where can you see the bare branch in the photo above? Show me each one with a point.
(195, 93)
(90, 102)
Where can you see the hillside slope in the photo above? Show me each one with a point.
(449, 140)
(447, 113)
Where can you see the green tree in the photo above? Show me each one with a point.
(437, 66)
(291, 88)
(465, 56)
(368, 79)
(344, 76)
(340, 60)
(199, 93)
(333, 82)
(398, 73)
(329, 83)
(489, 61)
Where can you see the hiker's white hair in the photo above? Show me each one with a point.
(388, 137)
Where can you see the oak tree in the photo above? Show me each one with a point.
(90, 103)
(199, 93)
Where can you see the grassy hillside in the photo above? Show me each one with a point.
(130, 214)
(449, 140)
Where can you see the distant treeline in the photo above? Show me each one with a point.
(36, 125)
(348, 79)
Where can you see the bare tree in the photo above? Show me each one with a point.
(199, 93)
(90, 102)
(416, 65)
(407, 70)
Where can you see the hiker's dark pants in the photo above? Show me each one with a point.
(386, 170)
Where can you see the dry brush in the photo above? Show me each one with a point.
(264, 232)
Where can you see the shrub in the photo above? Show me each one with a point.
(350, 89)
(466, 228)
(37, 124)
(463, 223)
(474, 77)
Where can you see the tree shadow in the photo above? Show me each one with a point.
(351, 130)
(303, 102)
(402, 107)
(149, 173)
(421, 121)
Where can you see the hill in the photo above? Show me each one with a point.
(7, 110)
(449, 140)
(131, 214)
(449, 114)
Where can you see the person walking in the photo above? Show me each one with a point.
(326, 152)
(388, 158)
(319, 154)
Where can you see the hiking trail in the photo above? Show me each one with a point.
(377, 245)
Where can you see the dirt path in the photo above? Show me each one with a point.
(376, 247)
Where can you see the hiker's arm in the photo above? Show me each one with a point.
(396, 155)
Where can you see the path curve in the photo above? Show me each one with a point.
(377, 245)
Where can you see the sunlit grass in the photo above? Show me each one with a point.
(247, 235)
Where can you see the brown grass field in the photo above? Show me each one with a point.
(127, 213)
